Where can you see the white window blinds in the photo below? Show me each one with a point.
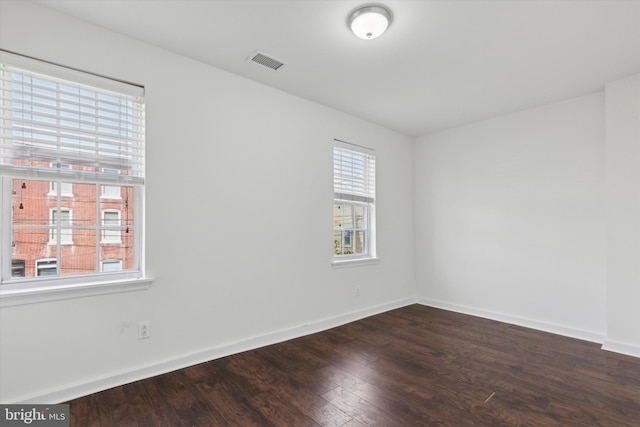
(354, 173)
(52, 125)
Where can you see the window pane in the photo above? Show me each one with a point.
(360, 216)
(29, 245)
(117, 215)
(122, 251)
(359, 242)
(83, 224)
(84, 205)
(30, 203)
(79, 258)
(343, 216)
(117, 230)
(351, 228)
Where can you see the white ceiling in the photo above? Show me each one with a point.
(442, 63)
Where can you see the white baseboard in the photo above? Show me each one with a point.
(94, 385)
(623, 348)
(72, 391)
(516, 320)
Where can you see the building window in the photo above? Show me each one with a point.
(346, 238)
(354, 202)
(66, 188)
(111, 226)
(17, 268)
(111, 265)
(60, 222)
(78, 137)
(47, 267)
(110, 191)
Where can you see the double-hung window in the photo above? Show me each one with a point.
(72, 176)
(354, 176)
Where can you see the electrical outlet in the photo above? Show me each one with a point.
(144, 329)
(357, 291)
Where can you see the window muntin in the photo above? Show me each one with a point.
(354, 202)
(83, 137)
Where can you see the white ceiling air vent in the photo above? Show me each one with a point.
(265, 60)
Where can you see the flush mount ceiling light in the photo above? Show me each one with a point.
(369, 22)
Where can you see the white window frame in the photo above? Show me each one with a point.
(28, 290)
(354, 192)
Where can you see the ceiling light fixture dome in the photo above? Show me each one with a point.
(369, 22)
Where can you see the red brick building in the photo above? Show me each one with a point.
(91, 225)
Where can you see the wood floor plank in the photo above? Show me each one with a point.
(190, 406)
(414, 366)
(216, 385)
(360, 409)
(280, 411)
(144, 395)
(87, 412)
(299, 371)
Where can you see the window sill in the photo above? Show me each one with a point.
(38, 294)
(355, 262)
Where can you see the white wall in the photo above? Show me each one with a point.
(623, 215)
(509, 218)
(238, 232)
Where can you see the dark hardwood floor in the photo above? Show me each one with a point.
(414, 366)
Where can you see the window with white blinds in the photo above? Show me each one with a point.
(354, 177)
(52, 116)
(70, 141)
(354, 174)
